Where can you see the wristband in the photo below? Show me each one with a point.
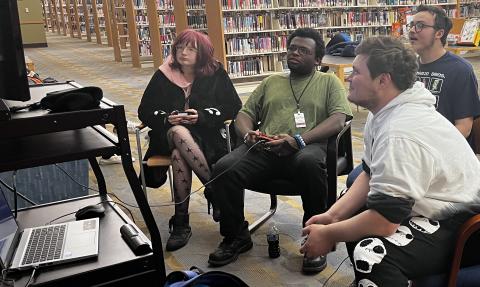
(300, 142)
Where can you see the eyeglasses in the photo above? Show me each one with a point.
(301, 50)
(188, 49)
(419, 26)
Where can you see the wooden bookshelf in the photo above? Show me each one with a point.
(47, 18)
(88, 18)
(106, 21)
(61, 8)
(250, 36)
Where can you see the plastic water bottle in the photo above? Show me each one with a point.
(273, 242)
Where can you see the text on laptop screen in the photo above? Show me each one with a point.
(8, 227)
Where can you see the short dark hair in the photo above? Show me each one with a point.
(389, 55)
(312, 34)
(441, 20)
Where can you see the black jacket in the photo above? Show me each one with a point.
(215, 99)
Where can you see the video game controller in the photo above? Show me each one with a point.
(182, 113)
(263, 136)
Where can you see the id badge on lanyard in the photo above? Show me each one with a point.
(299, 120)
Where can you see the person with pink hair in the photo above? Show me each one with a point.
(185, 104)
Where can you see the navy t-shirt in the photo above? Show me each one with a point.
(452, 81)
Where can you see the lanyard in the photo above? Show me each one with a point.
(293, 93)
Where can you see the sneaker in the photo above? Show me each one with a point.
(131, 127)
(228, 250)
(314, 265)
(114, 159)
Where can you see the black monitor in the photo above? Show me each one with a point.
(13, 73)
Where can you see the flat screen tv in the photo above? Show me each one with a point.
(13, 73)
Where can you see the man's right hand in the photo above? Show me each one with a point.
(251, 137)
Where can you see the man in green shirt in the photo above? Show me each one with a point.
(299, 111)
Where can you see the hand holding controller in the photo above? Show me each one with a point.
(182, 113)
(263, 136)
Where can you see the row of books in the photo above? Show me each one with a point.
(246, 4)
(256, 65)
(245, 46)
(266, 4)
(166, 20)
(338, 18)
(247, 22)
(145, 47)
(161, 4)
(167, 35)
(470, 10)
(293, 20)
(195, 4)
(256, 44)
(197, 21)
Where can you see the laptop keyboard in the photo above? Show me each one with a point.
(45, 244)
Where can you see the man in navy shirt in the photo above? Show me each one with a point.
(449, 77)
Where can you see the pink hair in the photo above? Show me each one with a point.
(206, 64)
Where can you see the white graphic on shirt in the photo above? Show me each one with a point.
(433, 82)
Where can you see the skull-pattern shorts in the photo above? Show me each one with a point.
(420, 247)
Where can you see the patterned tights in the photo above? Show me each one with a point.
(186, 156)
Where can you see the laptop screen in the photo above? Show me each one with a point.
(8, 228)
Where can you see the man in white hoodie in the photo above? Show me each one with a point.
(419, 181)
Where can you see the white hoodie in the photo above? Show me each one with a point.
(415, 153)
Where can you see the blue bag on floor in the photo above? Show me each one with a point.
(197, 278)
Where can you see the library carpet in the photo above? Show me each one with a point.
(90, 64)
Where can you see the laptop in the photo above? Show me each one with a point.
(44, 245)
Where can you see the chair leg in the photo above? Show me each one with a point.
(170, 180)
(273, 207)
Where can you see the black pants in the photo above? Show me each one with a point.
(305, 168)
(420, 247)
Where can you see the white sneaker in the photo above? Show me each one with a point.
(131, 126)
(114, 159)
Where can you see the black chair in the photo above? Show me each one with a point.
(339, 162)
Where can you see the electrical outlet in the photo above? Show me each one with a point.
(27, 10)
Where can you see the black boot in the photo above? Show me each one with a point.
(180, 232)
(211, 201)
(231, 247)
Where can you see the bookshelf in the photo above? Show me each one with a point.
(62, 16)
(54, 16)
(469, 8)
(250, 35)
(85, 21)
(47, 18)
(100, 26)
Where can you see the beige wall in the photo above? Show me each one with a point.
(31, 22)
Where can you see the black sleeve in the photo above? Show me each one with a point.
(225, 105)
(394, 209)
(151, 111)
(365, 167)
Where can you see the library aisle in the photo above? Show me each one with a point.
(93, 65)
